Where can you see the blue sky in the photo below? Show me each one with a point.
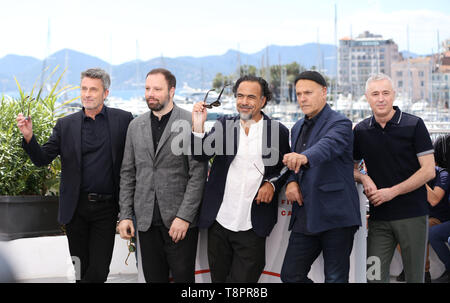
(111, 30)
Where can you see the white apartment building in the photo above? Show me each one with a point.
(361, 57)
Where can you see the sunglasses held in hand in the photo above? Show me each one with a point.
(131, 248)
(216, 103)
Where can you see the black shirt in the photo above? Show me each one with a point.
(305, 132)
(158, 127)
(97, 172)
(391, 157)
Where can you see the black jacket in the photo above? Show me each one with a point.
(65, 141)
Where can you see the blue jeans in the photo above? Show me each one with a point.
(303, 250)
(438, 235)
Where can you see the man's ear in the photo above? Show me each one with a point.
(264, 101)
(105, 94)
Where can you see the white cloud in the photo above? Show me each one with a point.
(423, 26)
(110, 30)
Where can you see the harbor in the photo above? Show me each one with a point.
(207, 47)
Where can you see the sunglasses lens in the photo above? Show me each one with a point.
(208, 106)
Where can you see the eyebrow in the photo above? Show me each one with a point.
(382, 91)
(251, 95)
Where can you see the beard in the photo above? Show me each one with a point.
(245, 116)
(158, 106)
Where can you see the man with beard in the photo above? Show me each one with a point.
(240, 201)
(161, 188)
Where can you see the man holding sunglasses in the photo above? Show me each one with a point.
(240, 200)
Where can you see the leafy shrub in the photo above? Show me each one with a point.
(18, 175)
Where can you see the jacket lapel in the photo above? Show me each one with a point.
(147, 136)
(313, 137)
(76, 135)
(167, 131)
(232, 133)
(267, 148)
(295, 134)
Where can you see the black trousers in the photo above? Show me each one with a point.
(91, 234)
(160, 255)
(235, 257)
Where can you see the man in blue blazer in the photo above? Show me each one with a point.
(326, 214)
(90, 144)
(239, 205)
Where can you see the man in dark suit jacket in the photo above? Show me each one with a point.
(326, 214)
(90, 144)
(240, 200)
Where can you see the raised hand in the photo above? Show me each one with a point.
(199, 114)
(25, 126)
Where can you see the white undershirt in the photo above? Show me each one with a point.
(243, 180)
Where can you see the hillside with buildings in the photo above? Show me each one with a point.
(417, 79)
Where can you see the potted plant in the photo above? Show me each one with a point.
(29, 194)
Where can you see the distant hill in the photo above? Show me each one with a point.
(406, 55)
(195, 71)
(12, 65)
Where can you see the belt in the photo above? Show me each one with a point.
(94, 197)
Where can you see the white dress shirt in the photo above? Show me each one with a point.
(243, 180)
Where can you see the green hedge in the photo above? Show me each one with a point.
(18, 175)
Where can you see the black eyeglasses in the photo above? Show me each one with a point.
(282, 171)
(285, 168)
(254, 164)
(217, 102)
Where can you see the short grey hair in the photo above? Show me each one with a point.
(98, 73)
(378, 77)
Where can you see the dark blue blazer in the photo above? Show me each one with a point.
(65, 141)
(275, 145)
(330, 198)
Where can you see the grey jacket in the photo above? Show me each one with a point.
(175, 179)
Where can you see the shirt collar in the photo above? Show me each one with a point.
(314, 119)
(397, 116)
(396, 119)
(103, 112)
(255, 124)
(163, 118)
